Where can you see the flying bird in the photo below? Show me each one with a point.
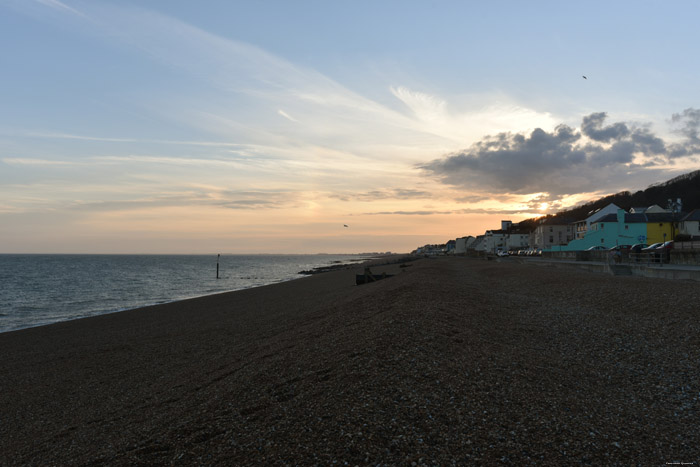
(345, 225)
(584, 77)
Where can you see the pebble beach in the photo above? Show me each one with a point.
(452, 361)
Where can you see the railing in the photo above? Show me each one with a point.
(652, 257)
(688, 245)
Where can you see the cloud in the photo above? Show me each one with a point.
(689, 121)
(56, 5)
(197, 196)
(544, 202)
(592, 127)
(408, 213)
(508, 162)
(256, 199)
(54, 135)
(35, 162)
(424, 106)
(566, 160)
(375, 195)
(287, 116)
(241, 73)
(504, 212)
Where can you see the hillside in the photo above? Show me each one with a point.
(686, 187)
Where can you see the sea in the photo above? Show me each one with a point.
(41, 289)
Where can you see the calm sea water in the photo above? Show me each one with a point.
(43, 289)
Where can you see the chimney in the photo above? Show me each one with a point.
(620, 216)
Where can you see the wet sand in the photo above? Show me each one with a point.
(452, 361)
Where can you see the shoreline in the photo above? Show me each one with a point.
(451, 360)
(103, 311)
(149, 305)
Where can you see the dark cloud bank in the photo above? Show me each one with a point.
(598, 156)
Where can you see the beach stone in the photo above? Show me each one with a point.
(452, 361)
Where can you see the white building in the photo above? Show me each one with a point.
(478, 244)
(495, 241)
(462, 244)
(581, 227)
(690, 225)
(547, 235)
(517, 240)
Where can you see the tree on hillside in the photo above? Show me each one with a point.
(686, 187)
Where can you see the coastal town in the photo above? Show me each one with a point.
(640, 229)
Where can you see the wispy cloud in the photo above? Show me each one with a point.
(454, 212)
(244, 87)
(287, 116)
(57, 5)
(57, 135)
(35, 162)
(103, 139)
(251, 84)
(385, 194)
(196, 196)
(425, 107)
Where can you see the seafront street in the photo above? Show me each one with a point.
(453, 361)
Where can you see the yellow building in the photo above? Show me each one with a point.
(661, 227)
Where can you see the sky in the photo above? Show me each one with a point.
(269, 126)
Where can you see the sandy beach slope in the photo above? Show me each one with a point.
(452, 361)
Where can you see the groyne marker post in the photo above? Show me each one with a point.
(217, 265)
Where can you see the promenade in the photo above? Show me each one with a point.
(644, 269)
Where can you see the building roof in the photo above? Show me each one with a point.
(693, 215)
(636, 218)
(563, 221)
(662, 217)
(595, 216)
(655, 208)
(650, 217)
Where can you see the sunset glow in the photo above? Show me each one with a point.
(173, 127)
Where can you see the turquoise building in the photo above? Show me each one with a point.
(614, 229)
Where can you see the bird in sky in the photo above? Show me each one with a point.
(345, 225)
(584, 77)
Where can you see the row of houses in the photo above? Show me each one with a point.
(606, 227)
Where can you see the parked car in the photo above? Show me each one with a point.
(659, 251)
(595, 248)
(664, 250)
(620, 248)
(666, 246)
(637, 247)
